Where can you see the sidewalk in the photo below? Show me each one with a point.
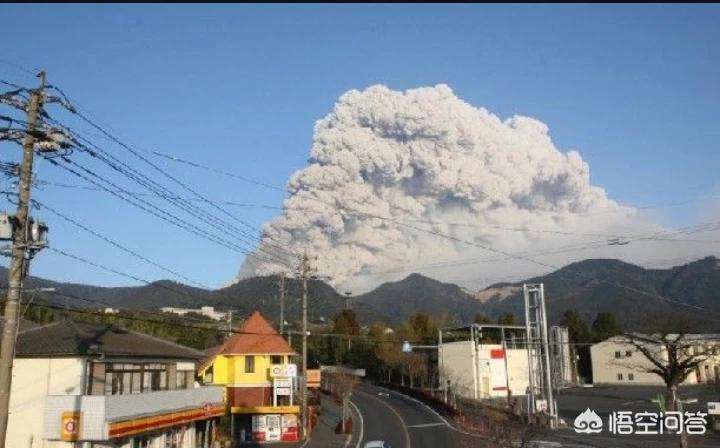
(324, 434)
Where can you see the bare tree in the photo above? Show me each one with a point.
(672, 356)
(344, 385)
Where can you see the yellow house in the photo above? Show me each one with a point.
(254, 366)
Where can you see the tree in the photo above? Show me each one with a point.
(481, 318)
(671, 352)
(604, 327)
(345, 322)
(420, 328)
(579, 334)
(506, 319)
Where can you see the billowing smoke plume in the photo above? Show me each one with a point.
(420, 181)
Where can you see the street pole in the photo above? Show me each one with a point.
(347, 307)
(229, 322)
(18, 262)
(304, 271)
(281, 285)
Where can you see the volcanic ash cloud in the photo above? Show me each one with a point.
(390, 170)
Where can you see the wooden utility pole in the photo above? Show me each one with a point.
(347, 307)
(18, 261)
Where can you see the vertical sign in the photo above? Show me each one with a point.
(70, 426)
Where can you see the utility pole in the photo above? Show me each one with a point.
(18, 263)
(229, 322)
(347, 307)
(303, 273)
(281, 286)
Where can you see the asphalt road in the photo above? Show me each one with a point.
(399, 421)
(605, 400)
(405, 423)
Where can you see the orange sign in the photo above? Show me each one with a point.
(313, 378)
(70, 426)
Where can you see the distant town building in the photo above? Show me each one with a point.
(254, 366)
(87, 384)
(110, 311)
(618, 361)
(207, 311)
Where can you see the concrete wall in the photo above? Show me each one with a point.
(33, 381)
(469, 367)
(457, 366)
(518, 374)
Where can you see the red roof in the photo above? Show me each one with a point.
(255, 336)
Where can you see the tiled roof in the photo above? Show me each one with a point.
(71, 338)
(254, 337)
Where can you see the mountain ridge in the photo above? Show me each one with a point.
(591, 286)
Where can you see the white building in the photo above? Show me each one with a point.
(618, 361)
(494, 363)
(83, 385)
(207, 311)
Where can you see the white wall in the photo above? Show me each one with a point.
(518, 372)
(606, 366)
(33, 380)
(457, 365)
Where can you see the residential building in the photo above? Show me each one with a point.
(89, 385)
(207, 311)
(254, 366)
(618, 361)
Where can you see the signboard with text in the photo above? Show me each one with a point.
(283, 371)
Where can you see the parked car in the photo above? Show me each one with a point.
(376, 444)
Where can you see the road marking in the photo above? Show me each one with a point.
(402, 422)
(427, 425)
(433, 411)
(362, 424)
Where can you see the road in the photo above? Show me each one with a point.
(400, 421)
(405, 423)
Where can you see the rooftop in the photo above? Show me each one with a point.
(74, 338)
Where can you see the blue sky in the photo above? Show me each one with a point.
(634, 88)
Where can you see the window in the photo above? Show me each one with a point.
(181, 380)
(631, 377)
(276, 359)
(123, 379)
(619, 376)
(617, 354)
(628, 353)
(249, 364)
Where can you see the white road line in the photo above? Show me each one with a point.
(427, 425)
(362, 424)
(433, 411)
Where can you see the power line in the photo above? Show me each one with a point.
(157, 168)
(123, 168)
(149, 207)
(117, 245)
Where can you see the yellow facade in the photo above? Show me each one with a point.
(230, 370)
